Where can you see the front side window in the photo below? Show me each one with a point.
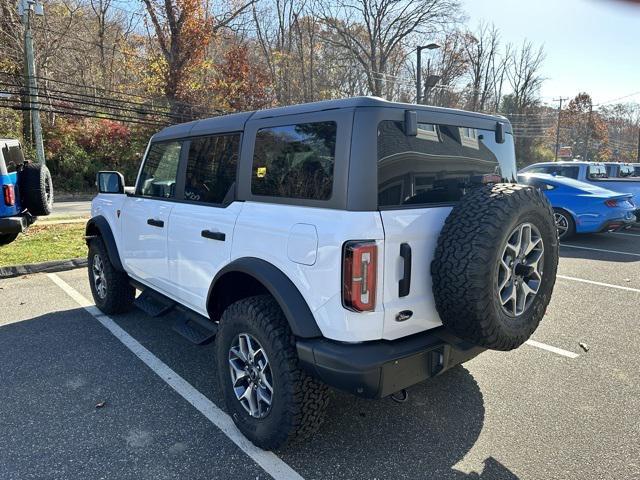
(569, 172)
(295, 161)
(211, 168)
(158, 176)
(420, 170)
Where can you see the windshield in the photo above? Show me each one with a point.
(439, 164)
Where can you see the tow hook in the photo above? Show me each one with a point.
(400, 397)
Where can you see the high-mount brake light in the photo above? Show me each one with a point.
(9, 195)
(359, 275)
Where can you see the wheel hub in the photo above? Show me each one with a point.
(520, 269)
(99, 277)
(251, 376)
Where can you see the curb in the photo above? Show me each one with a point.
(45, 267)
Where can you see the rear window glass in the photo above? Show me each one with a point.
(295, 161)
(12, 157)
(437, 165)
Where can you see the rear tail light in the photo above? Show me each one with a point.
(359, 272)
(9, 195)
(611, 202)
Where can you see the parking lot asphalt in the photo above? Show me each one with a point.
(530, 413)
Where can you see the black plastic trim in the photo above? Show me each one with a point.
(103, 227)
(404, 285)
(293, 305)
(213, 235)
(380, 368)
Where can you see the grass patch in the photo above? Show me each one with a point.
(43, 243)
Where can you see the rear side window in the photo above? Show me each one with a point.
(438, 166)
(625, 171)
(13, 157)
(569, 172)
(158, 176)
(295, 161)
(597, 171)
(211, 168)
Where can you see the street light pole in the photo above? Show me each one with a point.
(419, 49)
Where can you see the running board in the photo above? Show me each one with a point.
(153, 303)
(195, 328)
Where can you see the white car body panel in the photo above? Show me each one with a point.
(420, 228)
(193, 259)
(267, 231)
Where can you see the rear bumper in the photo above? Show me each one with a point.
(380, 368)
(616, 225)
(17, 224)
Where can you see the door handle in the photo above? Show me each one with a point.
(155, 223)
(213, 235)
(404, 285)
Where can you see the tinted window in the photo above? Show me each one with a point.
(437, 165)
(158, 176)
(539, 170)
(211, 168)
(570, 172)
(295, 161)
(12, 157)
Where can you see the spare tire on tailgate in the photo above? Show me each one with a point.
(495, 265)
(36, 189)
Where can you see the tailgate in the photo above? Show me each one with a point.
(419, 230)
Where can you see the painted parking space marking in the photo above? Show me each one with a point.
(600, 250)
(550, 348)
(269, 462)
(627, 234)
(601, 284)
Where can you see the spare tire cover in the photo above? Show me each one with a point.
(495, 265)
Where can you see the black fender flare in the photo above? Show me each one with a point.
(293, 305)
(101, 224)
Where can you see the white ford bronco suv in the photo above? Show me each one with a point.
(357, 243)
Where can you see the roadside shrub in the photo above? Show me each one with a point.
(77, 149)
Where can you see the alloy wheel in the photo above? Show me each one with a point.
(520, 269)
(251, 375)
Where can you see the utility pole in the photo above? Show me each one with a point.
(25, 7)
(558, 124)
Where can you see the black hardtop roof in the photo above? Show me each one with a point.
(236, 121)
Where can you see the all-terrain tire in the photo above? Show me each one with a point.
(299, 401)
(466, 265)
(118, 294)
(7, 238)
(36, 189)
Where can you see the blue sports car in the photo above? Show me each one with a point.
(581, 207)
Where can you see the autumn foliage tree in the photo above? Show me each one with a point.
(584, 129)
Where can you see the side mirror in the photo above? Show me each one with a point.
(110, 182)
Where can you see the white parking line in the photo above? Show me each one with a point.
(269, 462)
(600, 250)
(625, 233)
(549, 348)
(592, 282)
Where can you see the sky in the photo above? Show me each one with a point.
(590, 45)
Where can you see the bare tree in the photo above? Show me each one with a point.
(481, 49)
(523, 73)
(374, 31)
